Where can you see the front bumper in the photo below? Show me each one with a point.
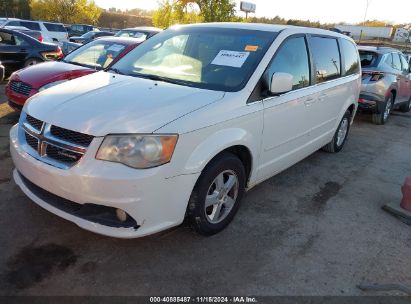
(17, 100)
(154, 200)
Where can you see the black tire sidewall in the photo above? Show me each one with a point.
(347, 115)
(196, 210)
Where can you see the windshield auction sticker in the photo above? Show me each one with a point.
(230, 58)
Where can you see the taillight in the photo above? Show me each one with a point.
(40, 38)
(374, 76)
(59, 52)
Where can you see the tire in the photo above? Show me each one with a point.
(340, 136)
(224, 170)
(406, 107)
(32, 61)
(385, 111)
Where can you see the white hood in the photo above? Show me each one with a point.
(105, 103)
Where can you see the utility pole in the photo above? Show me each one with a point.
(365, 17)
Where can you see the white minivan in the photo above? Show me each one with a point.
(185, 123)
(50, 31)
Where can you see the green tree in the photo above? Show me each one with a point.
(66, 11)
(15, 8)
(216, 10)
(174, 12)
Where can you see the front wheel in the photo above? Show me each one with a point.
(217, 194)
(340, 136)
(31, 61)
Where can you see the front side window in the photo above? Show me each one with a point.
(211, 58)
(326, 58)
(292, 58)
(97, 54)
(396, 62)
(351, 62)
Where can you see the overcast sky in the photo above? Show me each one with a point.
(396, 11)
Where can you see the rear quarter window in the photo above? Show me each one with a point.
(53, 27)
(351, 60)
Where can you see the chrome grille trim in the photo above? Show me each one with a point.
(46, 139)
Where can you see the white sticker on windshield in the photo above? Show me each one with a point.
(230, 58)
(115, 47)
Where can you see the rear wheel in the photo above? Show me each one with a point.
(406, 107)
(385, 111)
(32, 61)
(340, 135)
(217, 194)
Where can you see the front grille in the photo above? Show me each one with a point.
(71, 136)
(54, 145)
(31, 141)
(21, 87)
(34, 122)
(63, 155)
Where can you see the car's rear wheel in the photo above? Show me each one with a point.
(340, 135)
(217, 194)
(406, 107)
(32, 61)
(385, 111)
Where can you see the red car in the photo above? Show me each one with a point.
(89, 58)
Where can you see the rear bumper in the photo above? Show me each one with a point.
(370, 102)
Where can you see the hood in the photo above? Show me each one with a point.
(43, 73)
(105, 103)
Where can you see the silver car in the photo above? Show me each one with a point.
(386, 82)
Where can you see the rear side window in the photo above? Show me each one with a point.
(396, 62)
(31, 25)
(292, 58)
(13, 23)
(326, 58)
(351, 62)
(7, 39)
(53, 27)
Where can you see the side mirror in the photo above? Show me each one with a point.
(281, 83)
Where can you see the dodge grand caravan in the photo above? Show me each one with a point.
(181, 126)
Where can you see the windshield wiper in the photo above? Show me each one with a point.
(115, 70)
(164, 79)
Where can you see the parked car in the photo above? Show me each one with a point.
(80, 29)
(50, 31)
(182, 125)
(89, 36)
(94, 56)
(35, 34)
(386, 82)
(18, 50)
(142, 33)
(2, 72)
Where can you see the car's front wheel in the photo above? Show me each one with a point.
(217, 194)
(340, 136)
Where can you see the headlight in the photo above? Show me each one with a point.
(138, 151)
(52, 84)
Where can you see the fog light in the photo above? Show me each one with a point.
(121, 215)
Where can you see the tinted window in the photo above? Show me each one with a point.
(13, 23)
(292, 58)
(405, 66)
(7, 39)
(396, 62)
(31, 25)
(326, 58)
(351, 63)
(53, 27)
(220, 59)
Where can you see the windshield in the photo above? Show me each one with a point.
(210, 58)
(368, 58)
(133, 34)
(88, 35)
(97, 54)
